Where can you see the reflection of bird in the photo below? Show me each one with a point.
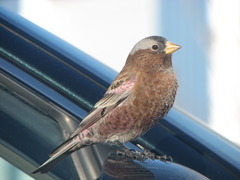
(141, 93)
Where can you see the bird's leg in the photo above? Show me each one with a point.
(124, 150)
(146, 154)
(149, 155)
(132, 153)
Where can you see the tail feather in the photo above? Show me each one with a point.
(57, 149)
(52, 163)
(62, 151)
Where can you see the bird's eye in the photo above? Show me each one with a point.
(155, 47)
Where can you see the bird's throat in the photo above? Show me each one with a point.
(167, 61)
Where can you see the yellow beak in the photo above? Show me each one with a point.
(170, 47)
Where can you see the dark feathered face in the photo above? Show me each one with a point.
(152, 54)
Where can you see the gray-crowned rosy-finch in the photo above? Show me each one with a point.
(143, 92)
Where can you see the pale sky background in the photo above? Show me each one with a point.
(96, 27)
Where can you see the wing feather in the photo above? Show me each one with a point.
(117, 93)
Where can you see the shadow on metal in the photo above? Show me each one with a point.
(124, 168)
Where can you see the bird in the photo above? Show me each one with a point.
(142, 93)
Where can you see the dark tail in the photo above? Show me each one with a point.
(57, 149)
(52, 163)
(59, 154)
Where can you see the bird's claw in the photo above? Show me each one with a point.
(132, 153)
(164, 158)
(151, 155)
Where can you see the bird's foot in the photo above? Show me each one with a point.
(145, 154)
(150, 155)
(131, 153)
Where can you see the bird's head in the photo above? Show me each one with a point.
(152, 53)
